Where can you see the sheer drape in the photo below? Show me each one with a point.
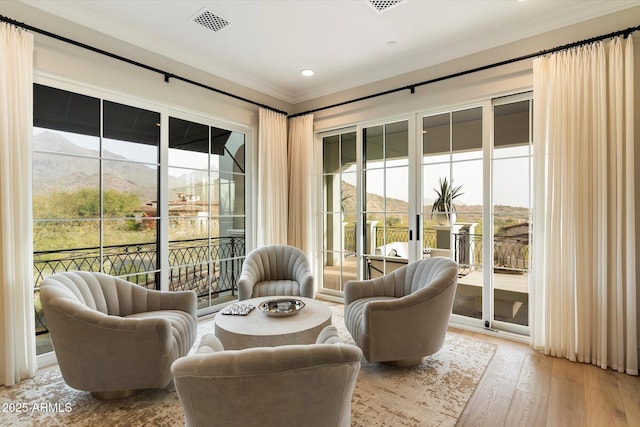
(17, 324)
(301, 206)
(584, 276)
(272, 185)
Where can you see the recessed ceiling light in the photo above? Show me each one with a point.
(307, 72)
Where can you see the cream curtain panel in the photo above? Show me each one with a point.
(17, 324)
(301, 191)
(584, 276)
(273, 182)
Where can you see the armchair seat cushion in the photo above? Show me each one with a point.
(276, 287)
(183, 327)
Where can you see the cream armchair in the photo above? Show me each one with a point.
(308, 385)
(112, 337)
(402, 317)
(275, 270)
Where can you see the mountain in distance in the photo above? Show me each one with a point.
(53, 172)
(376, 202)
(468, 213)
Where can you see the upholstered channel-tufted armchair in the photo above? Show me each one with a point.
(275, 270)
(112, 337)
(403, 316)
(308, 385)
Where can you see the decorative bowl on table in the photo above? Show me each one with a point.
(281, 307)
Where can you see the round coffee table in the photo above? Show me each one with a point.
(259, 330)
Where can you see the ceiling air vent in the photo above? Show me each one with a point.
(210, 20)
(383, 5)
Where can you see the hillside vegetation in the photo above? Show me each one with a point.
(397, 211)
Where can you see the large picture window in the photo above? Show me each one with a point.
(98, 204)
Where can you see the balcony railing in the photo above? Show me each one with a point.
(350, 239)
(401, 234)
(509, 253)
(206, 266)
(392, 234)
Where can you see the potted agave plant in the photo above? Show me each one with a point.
(443, 206)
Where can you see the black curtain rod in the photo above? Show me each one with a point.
(166, 74)
(413, 86)
(410, 87)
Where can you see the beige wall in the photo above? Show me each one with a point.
(60, 61)
(76, 64)
(482, 85)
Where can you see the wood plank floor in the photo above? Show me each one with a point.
(522, 387)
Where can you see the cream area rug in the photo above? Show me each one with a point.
(432, 394)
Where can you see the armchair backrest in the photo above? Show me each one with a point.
(269, 386)
(275, 270)
(101, 292)
(276, 262)
(435, 273)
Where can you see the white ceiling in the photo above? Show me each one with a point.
(347, 42)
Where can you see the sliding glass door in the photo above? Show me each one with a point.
(385, 206)
(512, 158)
(339, 212)
(452, 170)
(483, 156)
(365, 199)
(457, 184)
